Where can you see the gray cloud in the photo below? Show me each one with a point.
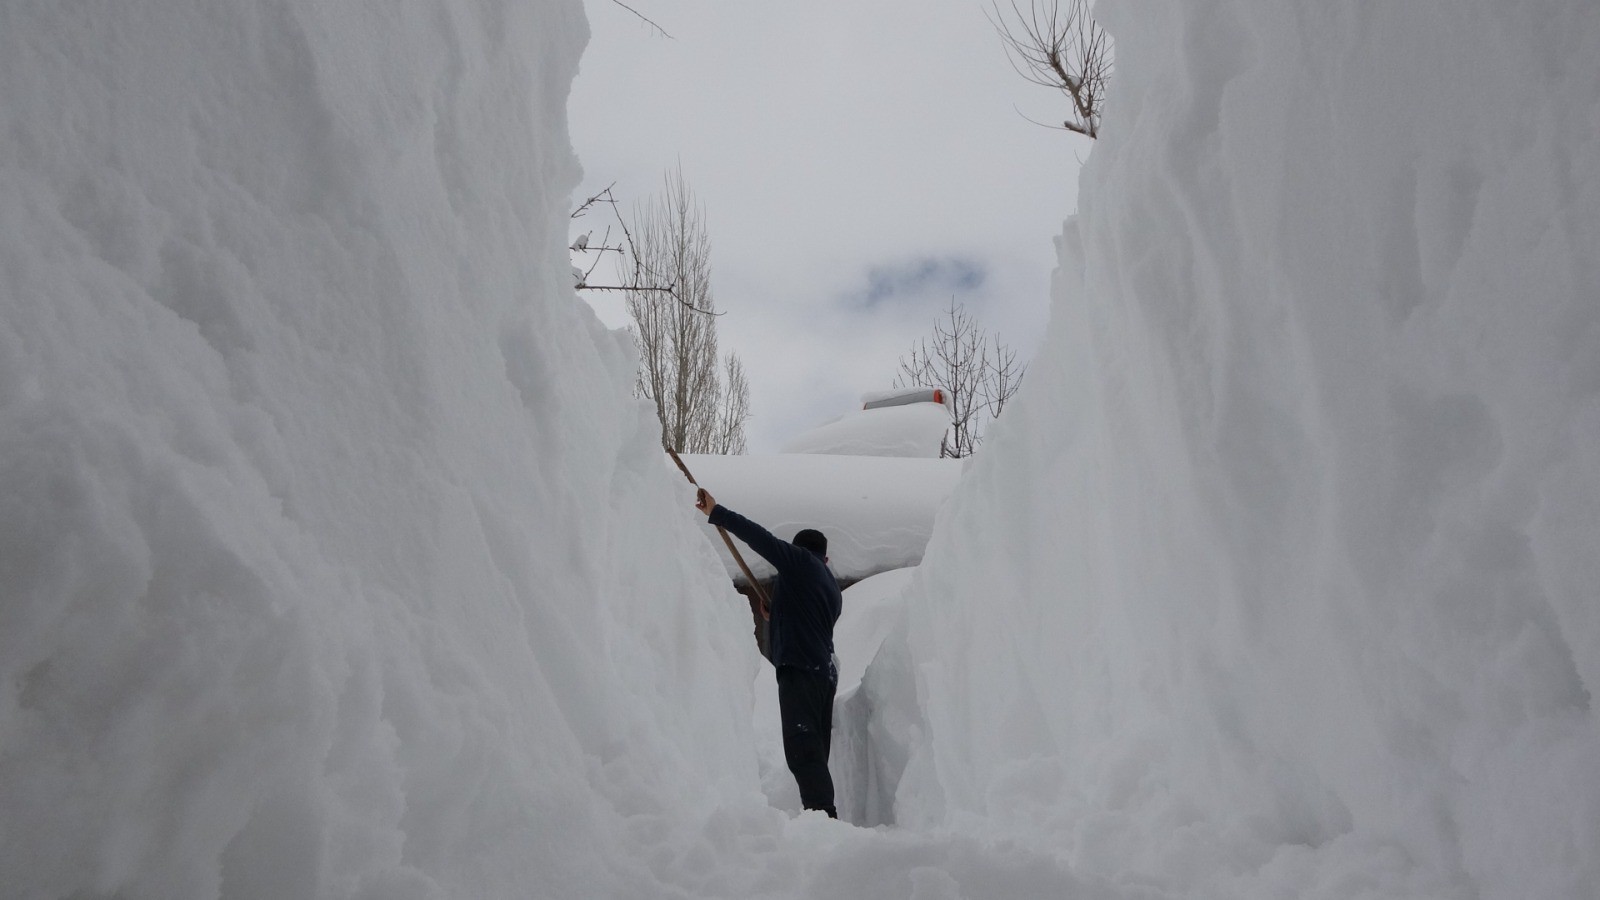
(917, 279)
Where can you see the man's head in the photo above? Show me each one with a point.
(812, 540)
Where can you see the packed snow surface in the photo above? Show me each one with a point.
(1279, 576)
(336, 562)
(872, 608)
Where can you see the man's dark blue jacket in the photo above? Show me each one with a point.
(805, 600)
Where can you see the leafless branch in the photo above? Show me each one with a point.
(643, 18)
(599, 255)
(1057, 44)
(644, 277)
(605, 195)
(978, 376)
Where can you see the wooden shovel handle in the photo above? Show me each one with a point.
(748, 575)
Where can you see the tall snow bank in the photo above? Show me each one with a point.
(333, 561)
(1279, 577)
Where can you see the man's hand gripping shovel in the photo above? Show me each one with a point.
(704, 502)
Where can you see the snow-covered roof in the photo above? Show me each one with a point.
(911, 427)
(876, 511)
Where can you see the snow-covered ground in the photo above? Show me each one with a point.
(335, 561)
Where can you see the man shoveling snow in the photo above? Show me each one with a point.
(805, 604)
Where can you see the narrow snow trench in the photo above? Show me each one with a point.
(866, 854)
(336, 562)
(872, 607)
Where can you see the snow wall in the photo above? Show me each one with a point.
(334, 559)
(335, 563)
(1279, 577)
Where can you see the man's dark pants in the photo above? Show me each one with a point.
(805, 702)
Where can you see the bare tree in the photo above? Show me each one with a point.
(677, 335)
(1057, 44)
(728, 436)
(978, 374)
(1002, 375)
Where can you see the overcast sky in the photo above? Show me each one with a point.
(859, 164)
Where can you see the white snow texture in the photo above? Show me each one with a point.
(1279, 578)
(335, 561)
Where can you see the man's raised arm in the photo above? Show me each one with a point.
(780, 553)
